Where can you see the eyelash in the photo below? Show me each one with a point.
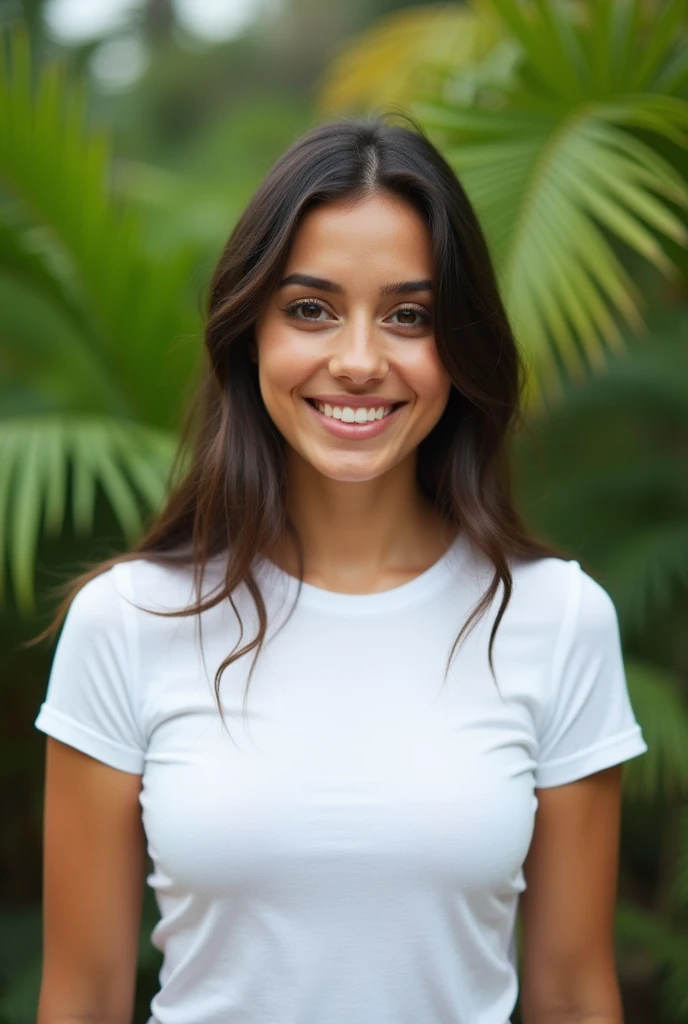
(426, 319)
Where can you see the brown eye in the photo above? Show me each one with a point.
(404, 313)
(311, 305)
(423, 318)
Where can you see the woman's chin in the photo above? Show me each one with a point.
(350, 468)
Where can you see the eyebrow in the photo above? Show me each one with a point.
(322, 284)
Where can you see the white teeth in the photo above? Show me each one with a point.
(362, 414)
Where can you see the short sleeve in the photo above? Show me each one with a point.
(91, 700)
(590, 724)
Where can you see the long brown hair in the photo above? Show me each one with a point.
(227, 489)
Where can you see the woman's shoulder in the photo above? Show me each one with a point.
(557, 576)
(561, 590)
(544, 572)
(133, 585)
(546, 575)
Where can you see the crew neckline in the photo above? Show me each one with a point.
(428, 582)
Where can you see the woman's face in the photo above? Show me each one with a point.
(347, 363)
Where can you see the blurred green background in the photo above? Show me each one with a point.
(132, 132)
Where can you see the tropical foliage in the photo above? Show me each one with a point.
(566, 121)
(89, 318)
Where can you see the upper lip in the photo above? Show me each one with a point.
(354, 401)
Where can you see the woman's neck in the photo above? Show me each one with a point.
(364, 536)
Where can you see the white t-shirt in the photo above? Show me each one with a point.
(356, 856)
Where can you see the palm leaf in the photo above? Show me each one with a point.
(668, 23)
(31, 266)
(556, 61)
(48, 363)
(544, 197)
(128, 461)
(131, 307)
(569, 184)
(104, 314)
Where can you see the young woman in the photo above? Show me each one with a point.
(437, 711)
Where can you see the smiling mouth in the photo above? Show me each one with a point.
(360, 414)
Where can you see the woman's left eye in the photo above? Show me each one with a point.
(418, 311)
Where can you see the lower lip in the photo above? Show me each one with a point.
(355, 431)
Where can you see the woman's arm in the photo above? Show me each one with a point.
(567, 910)
(94, 864)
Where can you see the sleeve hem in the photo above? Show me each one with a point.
(61, 727)
(609, 752)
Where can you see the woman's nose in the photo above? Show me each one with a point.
(358, 354)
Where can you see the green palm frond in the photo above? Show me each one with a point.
(604, 47)
(554, 162)
(30, 265)
(132, 307)
(128, 461)
(660, 707)
(88, 320)
(567, 174)
(48, 363)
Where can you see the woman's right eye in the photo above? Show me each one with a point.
(310, 304)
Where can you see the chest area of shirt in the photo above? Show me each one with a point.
(301, 789)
